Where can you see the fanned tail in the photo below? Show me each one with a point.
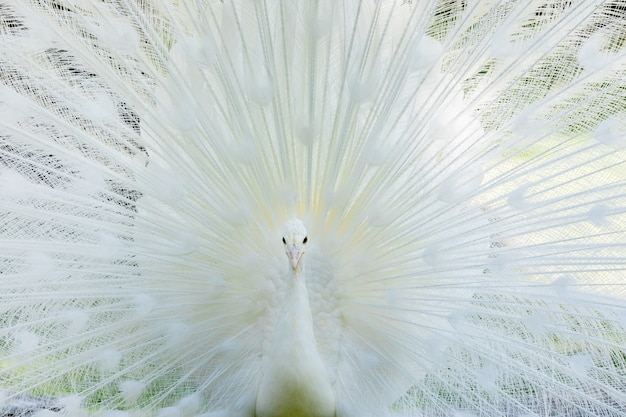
(459, 167)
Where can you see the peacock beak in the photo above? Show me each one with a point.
(294, 253)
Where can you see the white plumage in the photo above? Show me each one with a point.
(459, 167)
(295, 379)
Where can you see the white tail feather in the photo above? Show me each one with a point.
(459, 167)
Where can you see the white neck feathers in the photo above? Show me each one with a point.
(295, 381)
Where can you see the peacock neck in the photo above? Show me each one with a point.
(293, 333)
(296, 302)
(295, 381)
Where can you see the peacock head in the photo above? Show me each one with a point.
(294, 240)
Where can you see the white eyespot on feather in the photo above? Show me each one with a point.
(174, 111)
(379, 216)
(187, 243)
(200, 50)
(25, 341)
(40, 266)
(377, 151)
(318, 21)
(487, 377)
(307, 133)
(536, 324)
(424, 53)
(362, 86)
(598, 215)
(612, 131)
(580, 364)
(432, 254)
(502, 265)
(90, 180)
(109, 360)
(244, 149)
(524, 122)
(461, 185)
(38, 30)
(592, 55)
(70, 406)
(131, 390)
(176, 333)
(517, 198)
(98, 109)
(108, 245)
(76, 321)
(13, 184)
(190, 404)
(13, 107)
(163, 183)
(458, 320)
(117, 33)
(259, 83)
(562, 285)
(369, 361)
(143, 305)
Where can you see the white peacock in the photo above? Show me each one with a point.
(459, 167)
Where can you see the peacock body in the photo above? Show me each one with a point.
(457, 167)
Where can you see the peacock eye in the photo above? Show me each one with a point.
(305, 239)
(284, 241)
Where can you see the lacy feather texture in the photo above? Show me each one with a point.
(457, 169)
